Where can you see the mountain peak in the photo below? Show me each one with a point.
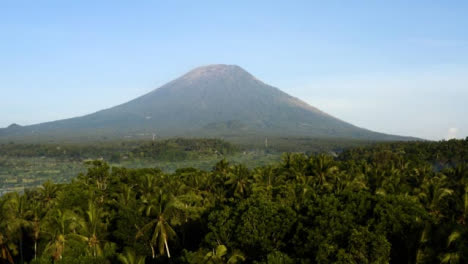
(216, 71)
(14, 125)
(217, 68)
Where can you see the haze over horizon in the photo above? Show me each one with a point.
(405, 76)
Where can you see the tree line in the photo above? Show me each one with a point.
(389, 203)
(168, 149)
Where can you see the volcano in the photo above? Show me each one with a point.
(210, 101)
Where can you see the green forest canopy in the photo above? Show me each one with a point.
(389, 203)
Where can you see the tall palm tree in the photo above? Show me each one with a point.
(6, 242)
(92, 229)
(16, 206)
(161, 208)
(432, 195)
(60, 225)
(35, 214)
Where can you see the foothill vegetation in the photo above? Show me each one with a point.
(403, 202)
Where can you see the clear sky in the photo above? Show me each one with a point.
(398, 67)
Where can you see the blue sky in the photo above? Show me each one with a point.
(392, 66)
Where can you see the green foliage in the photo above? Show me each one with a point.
(394, 203)
(263, 225)
(169, 149)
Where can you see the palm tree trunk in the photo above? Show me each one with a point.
(167, 248)
(63, 249)
(35, 249)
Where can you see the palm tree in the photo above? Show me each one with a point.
(268, 176)
(35, 213)
(176, 186)
(452, 257)
(148, 184)
(162, 209)
(349, 181)
(92, 229)
(6, 244)
(218, 256)
(239, 180)
(264, 176)
(432, 194)
(322, 167)
(16, 206)
(59, 226)
(293, 166)
(391, 182)
(47, 193)
(125, 196)
(215, 182)
(5, 248)
(193, 178)
(221, 167)
(130, 257)
(98, 174)
(464, 203)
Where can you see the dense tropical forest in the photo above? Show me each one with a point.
(25, 165)
(385, 203)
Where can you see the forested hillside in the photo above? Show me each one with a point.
(389, 203)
